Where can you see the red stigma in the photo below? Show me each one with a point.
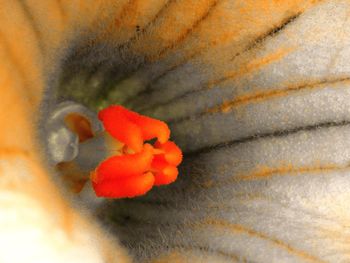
(130, 175)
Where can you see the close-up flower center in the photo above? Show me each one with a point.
(174, 131)
(126, 165)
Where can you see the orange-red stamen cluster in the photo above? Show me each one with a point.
(130, 175)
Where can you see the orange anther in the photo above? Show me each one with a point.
(121, 128)
(150, 128)
(167, 176)
(125, 187)
(119, 122)
(133, 174)
(164, 173)
(125, 165)
(172, 152)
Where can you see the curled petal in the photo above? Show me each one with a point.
(80, 125)
(172, 152)
(121, 128)
(125, 187)
(121, 166)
